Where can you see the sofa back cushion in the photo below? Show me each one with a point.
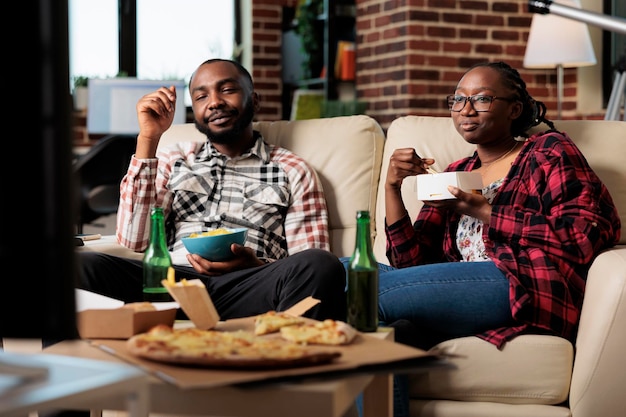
(345, 151)
(602, 143)
(433, 137)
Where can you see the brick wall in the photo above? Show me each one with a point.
(411, 53)
(266, 55)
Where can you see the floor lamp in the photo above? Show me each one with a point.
(557, 42)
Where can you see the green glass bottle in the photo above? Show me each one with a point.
(362, 279)
(156, 260)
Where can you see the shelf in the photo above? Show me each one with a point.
(310, 82)
(336, 23)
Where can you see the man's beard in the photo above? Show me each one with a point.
(232, 135)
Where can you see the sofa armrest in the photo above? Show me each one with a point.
(108, 244)
(599, 375)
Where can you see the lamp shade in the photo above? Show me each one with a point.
(557, 41)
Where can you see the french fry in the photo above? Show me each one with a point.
(171, 280)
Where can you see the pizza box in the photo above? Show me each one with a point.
(194, 299)
(366, 354)
(435, 186)
(100, 317)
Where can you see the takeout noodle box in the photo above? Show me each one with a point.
(435, 186)
(120, 323)
(194, 299)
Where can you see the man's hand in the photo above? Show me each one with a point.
(244, 258)
(155, 114)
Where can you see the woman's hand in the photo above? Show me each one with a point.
(244, 258)
(405, 162)
(470, 204)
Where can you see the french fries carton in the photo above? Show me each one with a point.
(194, 299)
(122, 322)
(435, 186)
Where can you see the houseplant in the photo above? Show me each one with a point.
(308, 25)
(81, 92)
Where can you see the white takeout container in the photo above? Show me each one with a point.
(435, 186)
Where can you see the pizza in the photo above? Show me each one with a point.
(273, 321)
(221, 349)
(327, 332)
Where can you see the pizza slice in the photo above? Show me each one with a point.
(273, 321)
(327, 332)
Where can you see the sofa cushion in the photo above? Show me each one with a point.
(433, 137)
(446, 408)
(530, 369)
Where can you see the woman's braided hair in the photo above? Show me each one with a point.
(533, 111)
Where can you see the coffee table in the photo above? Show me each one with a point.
(68, 383)
(309, 397)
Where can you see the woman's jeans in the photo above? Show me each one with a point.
(428, 304)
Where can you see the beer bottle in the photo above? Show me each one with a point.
(362, 279)
(156, 260)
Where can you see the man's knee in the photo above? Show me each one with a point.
(88, 264)
(320, 259)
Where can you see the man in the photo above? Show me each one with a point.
(234, 179)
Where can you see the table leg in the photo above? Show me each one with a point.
(378, 397)
(137, 402)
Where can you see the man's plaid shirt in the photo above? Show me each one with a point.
(268, 189)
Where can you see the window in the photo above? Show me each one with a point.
(149, 39)
(93, 40)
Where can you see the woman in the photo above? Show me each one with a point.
(510, 261)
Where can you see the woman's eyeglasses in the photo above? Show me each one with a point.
(479, 102)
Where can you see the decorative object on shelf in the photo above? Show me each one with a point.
(81, 92)
(345, 61)
(556, 42)
(307, 104)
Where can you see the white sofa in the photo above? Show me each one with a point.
(533, 375)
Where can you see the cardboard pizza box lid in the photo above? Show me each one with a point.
(302, 306)
(194, 299)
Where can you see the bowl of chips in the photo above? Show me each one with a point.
(214, 245)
